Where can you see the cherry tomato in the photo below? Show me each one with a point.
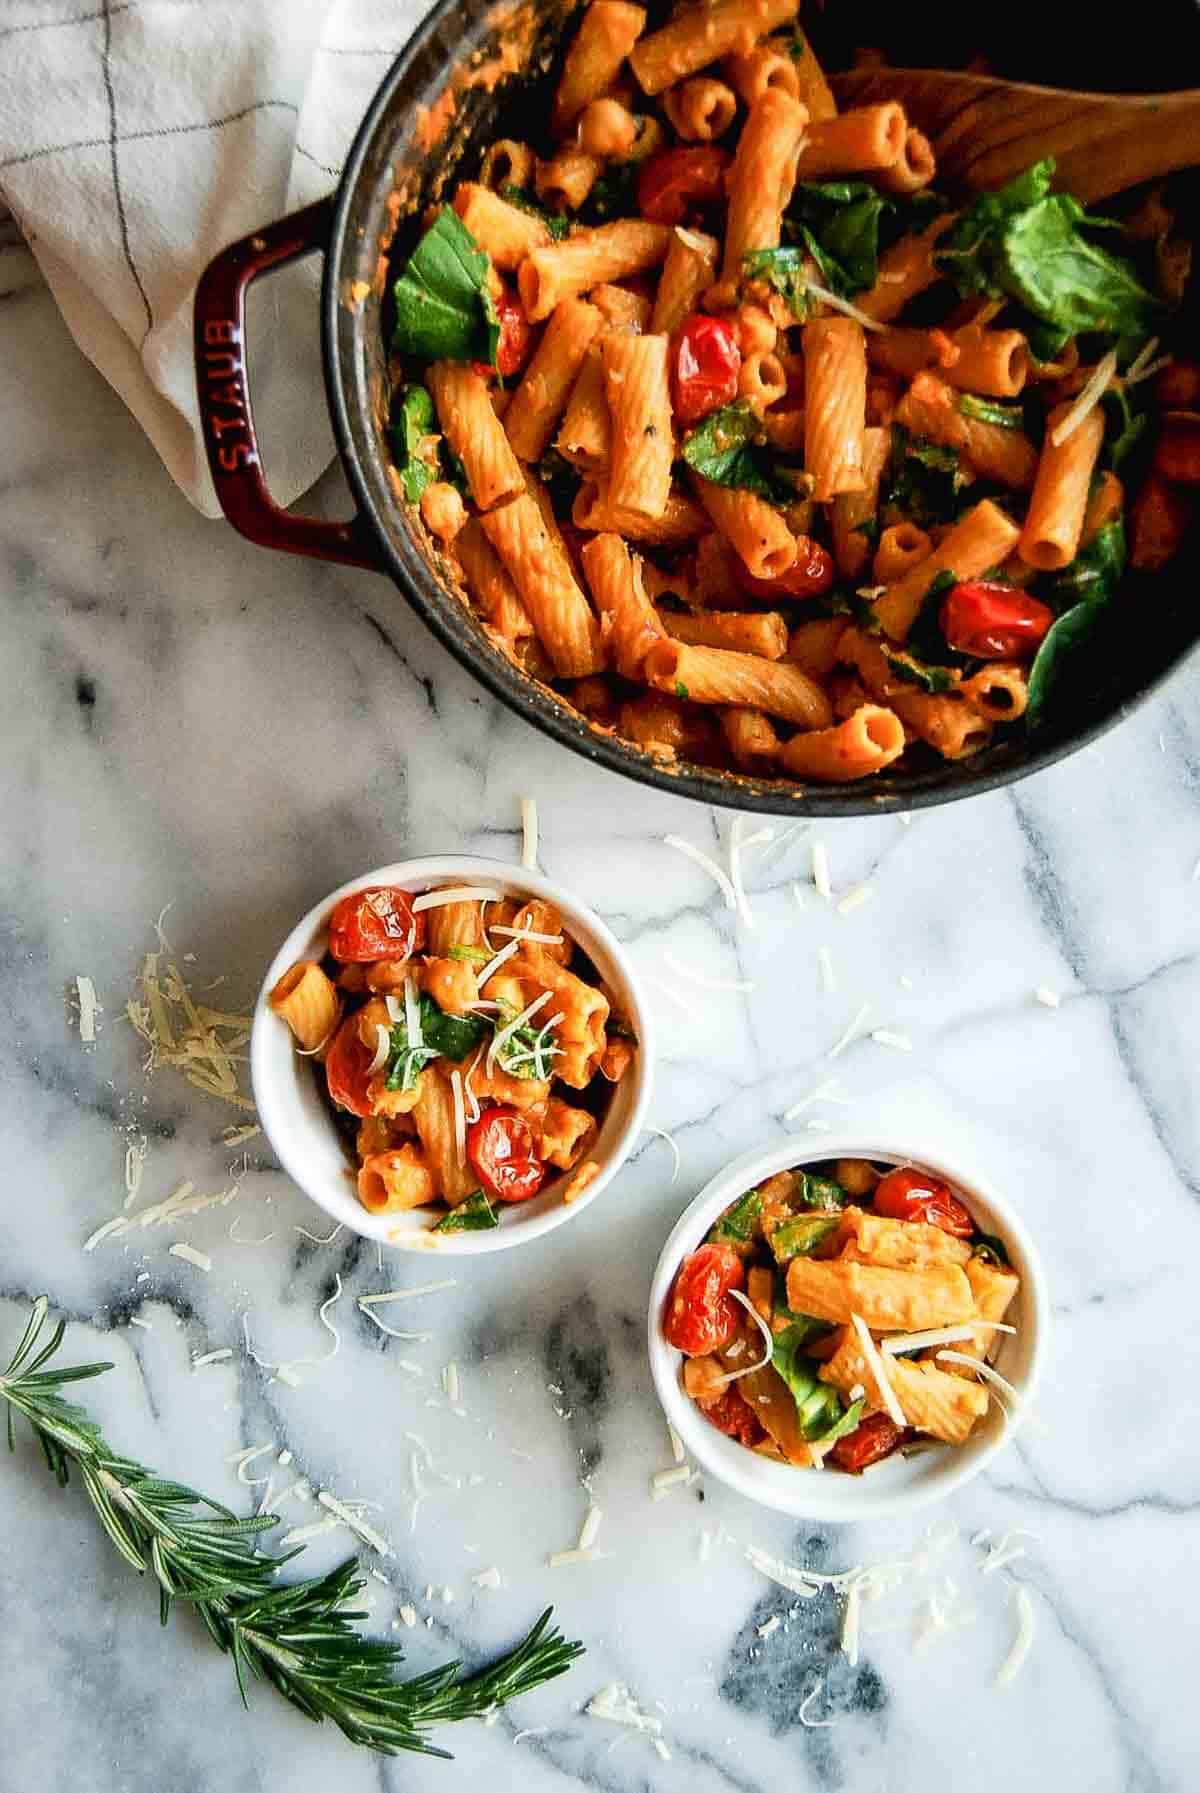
(500, 1146)
(702, 1317)
(732, 1416)
(705, 360)
(873, 1439)
(516, 335)
(810, 574)
(674, 181)
(369, 925)
(915, 1195)
(991, 621)
(346, 1072)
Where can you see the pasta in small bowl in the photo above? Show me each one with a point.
(450, 1056)
(873, 1312)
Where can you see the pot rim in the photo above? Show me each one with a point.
(725, 790)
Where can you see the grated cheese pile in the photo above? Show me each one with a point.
(204, 1043)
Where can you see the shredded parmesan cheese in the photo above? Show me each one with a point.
(89, 1008)
(454, 893)
(659, 1133)
(1049, 999)
(529, 834)
(717, 873)
(450, 1384)
(190, 1255)
(828, 975)
(382, 1049)
(181, 1202)
(677, 1450)
(204, 1043)
(590, 1528)
(429, 1288)
(562, 1558)
(884, 1036)
(487, 1578)
(353, 1521)
(887, 1393)
(664, 1479)
(460, 1115)
(225, 1351)
(737, 846)
(693, 976)
(317, 1239)
(768, 1341)
(854, 899)
(503, 1033)
(615, 1704)
(989, 1375)
(852, 1032)
(820, 871)
(1088, 399)
(851, 311)
(939, 1335)
(520, 934)
(813, 1724)
(493, 965)
(1022, 1643)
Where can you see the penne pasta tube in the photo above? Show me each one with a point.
(700, 110)
(863, 744)
(585, 438)
(308, 1002)
(564, 182)
(629, 622)
(505, 232)
(474, 432)
(913, 168)
(754, 529)
(813, 90)
(762, 632)
(621, 309)
(814, 645)
(999, 691)
(761, 180)
(981, 539)
(396, 1180)
(542, 575)
(750, 736)
(993, 362)
(886, 1300)
(770, 64)
(930, 408)
(442, 510)
(496, 597)
(861, 141)
(905, 270)
(681, 522)
(902, 546)
(607, 33)
(852, 513)
(944, 721)
(835, 405)
(688, 270)
(611, 252)
(540, 399)
(433, 1114)
(607, 129)
(713, 675)
(761, 381)
(638, 388)
(1104, 506)
(699, 35)
(506, 164)
(1055, 518)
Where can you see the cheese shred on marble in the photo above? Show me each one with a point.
(529, 834)
(89, 1008)
(354, 1522)
(617, 1706)
(1023, 1642)
(205, 1043)
(190, 1255)
(697, 855)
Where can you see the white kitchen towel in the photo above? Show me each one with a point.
(139, 137)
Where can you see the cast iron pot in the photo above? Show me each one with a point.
(388, 180)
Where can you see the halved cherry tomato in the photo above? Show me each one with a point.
(914, 1195)
(732, 1416)
(702, 1317)
(810, 574)
(500, 1146)
(369, 925)
(346, 1072)
(674, 181)
(991, 621)
(873, 1439)
(705, 361)
(516, 335)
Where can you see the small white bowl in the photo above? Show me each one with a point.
(898, 1484)
(296, 1119)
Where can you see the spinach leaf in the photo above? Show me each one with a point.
(442, 1036)
(1080, 595)
(784, 270)
(838, 223)
(475, 1215)
(529, 1051)
(739, 1224)
(728, 450)
(990, 1248)
(614, 195)
(818, 1404)
(800, 1236)
(1127, 420)
(1028, 244)
(924, 481)
(523, 199)
(444, 310)
(933, 679)
(845, 1425)
(413, 421)
(817, 1192)
(988, 410)
(926, 642)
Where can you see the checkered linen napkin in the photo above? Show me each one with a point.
(139, 137)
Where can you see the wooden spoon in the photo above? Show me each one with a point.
(986, 131)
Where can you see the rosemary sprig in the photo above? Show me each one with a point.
(302, 1637)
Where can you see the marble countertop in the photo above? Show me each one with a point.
(194, 723)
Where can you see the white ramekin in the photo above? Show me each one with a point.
(898, 1484)
(296, 1119)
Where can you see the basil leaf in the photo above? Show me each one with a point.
(475, 1215)
(784, 270)
(925, 481)
(817, 1192)
(800, 1236)
(523, 199)
(442, 1036)
(987, 410)
(1081, 594)
(727, 450)
(412, 424)
(444, 311)
(818, 1404)
(933, 679)
(1028, 244)
(739, 1224)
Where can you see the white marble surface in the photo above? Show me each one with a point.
(191, 721)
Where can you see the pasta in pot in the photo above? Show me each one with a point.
(813, 1318)
(443, 1049)
(748, 442)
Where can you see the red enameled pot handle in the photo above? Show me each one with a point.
(224, 393)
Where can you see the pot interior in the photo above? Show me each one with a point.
(475, 72)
